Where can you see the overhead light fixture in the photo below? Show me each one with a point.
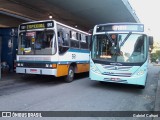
(50, 16)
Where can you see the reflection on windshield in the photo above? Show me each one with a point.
(37, 42)
(126, 48)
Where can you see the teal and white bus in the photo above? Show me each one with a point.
(52, 48)
(119, 53)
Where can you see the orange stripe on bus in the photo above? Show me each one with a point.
(82, 68)
(62, 70)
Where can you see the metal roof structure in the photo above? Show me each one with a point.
(81, 13)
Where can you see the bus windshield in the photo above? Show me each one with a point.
(37, 43)
(119, 47)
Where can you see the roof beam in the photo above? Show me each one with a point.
(15, 14)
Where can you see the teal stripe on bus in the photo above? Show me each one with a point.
(78, 50)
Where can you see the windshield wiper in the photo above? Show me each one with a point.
(110, 39)
(125, 39)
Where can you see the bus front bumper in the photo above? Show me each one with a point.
(40, 71)
(135, 80)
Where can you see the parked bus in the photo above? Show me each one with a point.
(119, 53)
(52, 48)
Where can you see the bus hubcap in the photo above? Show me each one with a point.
(71, 74)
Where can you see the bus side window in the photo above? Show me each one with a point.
(60, 38)
(74, 41)
(66, 39)
(89, 41)
(70, 34)
(84, 42)
(77, 37)
(80, 37)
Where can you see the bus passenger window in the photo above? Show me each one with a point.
(66, 40)
(60, 38)
(70, 34)
(74, 41)
(79, 36)
(84, 42)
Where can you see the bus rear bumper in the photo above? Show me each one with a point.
(40, 71)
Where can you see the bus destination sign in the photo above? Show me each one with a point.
(121, 27)
(39, 25)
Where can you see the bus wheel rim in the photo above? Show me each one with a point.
(71, 73)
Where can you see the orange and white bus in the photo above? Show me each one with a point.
(52, 48)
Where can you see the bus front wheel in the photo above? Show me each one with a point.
(69, 78)
(141, 86)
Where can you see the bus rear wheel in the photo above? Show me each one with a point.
(69, 78)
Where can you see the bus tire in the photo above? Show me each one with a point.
(102, 82)
(141, 86)
(69, 78)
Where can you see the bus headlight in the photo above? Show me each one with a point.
(94, 69)
(47, 65)
(51, 65)
(141, 72)
(18, 64)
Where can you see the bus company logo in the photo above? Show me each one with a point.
(6, 114)
(118, 64)
(108, 73)
(21, 114)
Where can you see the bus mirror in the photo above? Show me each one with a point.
(151, 40)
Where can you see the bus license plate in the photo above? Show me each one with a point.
(115, 79)
(33, 70)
